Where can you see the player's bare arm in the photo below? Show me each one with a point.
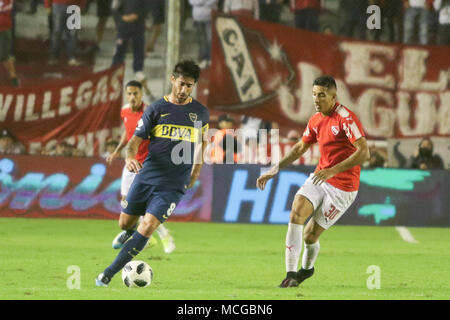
(130, 161)
(198, 162)
(296, 152)
(357, 158)
(120, 146)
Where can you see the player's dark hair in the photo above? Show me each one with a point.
(325, 81)
(134, 83)
(188, 69)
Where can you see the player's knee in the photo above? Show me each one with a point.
(125, 224)
(301, 210)
(122, 224)
(296, 217)
(146, 227)
(310, 237)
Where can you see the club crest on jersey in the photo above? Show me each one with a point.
(193, 117)
(335, 130)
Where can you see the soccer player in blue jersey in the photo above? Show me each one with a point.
(176, 126)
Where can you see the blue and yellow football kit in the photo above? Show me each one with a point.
(173, 131)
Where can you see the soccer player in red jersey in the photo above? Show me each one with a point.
(332, 188)
(131, 114)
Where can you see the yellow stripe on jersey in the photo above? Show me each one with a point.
(176, 132)
(205, 128)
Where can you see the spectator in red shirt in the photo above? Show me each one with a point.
(6, 40)
(306, 14)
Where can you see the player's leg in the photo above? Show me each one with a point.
(307, 199)
(163, 204)
(334, 204)
(148, 225)
(160, 203)
(127, 222)
(311, 250)
(135, 244)
(166, 238)
(302, 208)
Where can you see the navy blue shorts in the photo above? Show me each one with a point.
(144, 198)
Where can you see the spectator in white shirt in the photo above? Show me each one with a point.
(248, 8)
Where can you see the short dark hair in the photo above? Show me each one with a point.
(134, 83)
(187, 68)
(325, 81)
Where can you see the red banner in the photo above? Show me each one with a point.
(267, 70)
(83, 111)
(64, 187)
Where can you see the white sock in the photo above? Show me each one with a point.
(162, 231)
(310, 255)
(293, 246)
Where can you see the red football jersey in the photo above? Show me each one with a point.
(130, 120)
(336, 134)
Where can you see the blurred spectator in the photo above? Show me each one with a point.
(433, 27)
(103, 13)
(353, 18)
(270, 10)
(306, 14)
(64, 149)
(9, 144)
(157, 9)
(393, 12)
(111, 146)
(201, 13)
(222, 140)
(33, 6)
(130, 18)
(421, 10)
(58, 11)
(424, 158)
(293, 137)
(246, 8)
(378, 157)
(392, 17)
(328, 30)
(252, 125)
(399, 156)
(443, 7)
(15, 9)
(6, 41)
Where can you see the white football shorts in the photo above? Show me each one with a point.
(329, 202)
(127, 180)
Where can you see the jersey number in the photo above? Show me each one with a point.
(171, 208)
(330, 214)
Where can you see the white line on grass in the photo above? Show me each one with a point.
(406, 235)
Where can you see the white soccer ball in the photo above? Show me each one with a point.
(137, 274)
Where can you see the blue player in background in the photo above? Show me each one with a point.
(176, 126)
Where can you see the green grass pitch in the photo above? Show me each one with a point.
(221, 261)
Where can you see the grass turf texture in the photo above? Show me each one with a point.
(221, 261)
